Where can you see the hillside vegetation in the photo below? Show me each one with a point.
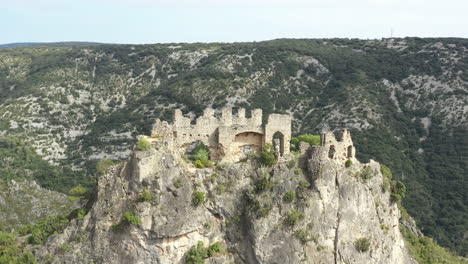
(404, 100)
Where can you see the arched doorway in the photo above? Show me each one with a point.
(278, 144)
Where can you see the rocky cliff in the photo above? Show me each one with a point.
(155, 208)
(405, 101)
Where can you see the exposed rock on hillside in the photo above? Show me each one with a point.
(405, 101)
(323, 213)
(23, 202)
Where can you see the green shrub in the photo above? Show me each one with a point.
(200, 152)
(213, 177)
(298, 171)
(366, 173)
(27, 258)
(426, 251)
(289, 196)
(117, 227)
(303, 184)
(207, 163)
(384, 228)
(103, 165)
(260, 207)
(220, 189)
(145, 196)
(215, 248)
(396, 198)
(44, 228)
(79, 193)
(199, 164)
(237, 219)
(251, 155)
(387, 177)
(202, 155)
(178, 182)
(292, 163)
(293, 217)
(130, 218)
(348, 163)
(399, 188)
(143, 144)
(197, 254)
(265, 209)
(362, 244)
(64, 247)
(305, 236)
(198, 198)
(267, 156)
(313, 140)
(263, 184)
(386, 172)
(78, 213)
(11, 252)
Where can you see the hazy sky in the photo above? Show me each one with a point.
(156, 21)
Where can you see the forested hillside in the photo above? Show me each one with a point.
(404, 100)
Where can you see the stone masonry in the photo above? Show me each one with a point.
(229, 137)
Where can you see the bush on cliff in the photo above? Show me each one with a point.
(198, 253)
(201, 156)
(267, 156)
(398, 191)
(198, 198)
(143, 144)
(362, 244)
(103, 165)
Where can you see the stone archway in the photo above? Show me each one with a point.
(278, 144)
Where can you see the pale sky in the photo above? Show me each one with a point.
(166, 21)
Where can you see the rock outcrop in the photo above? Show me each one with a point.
(285, 214)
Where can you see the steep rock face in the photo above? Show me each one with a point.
(250, 210)
(76, 105)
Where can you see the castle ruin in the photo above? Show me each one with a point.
(229, 137)
(232, 137)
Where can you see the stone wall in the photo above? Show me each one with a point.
(282, 124)
(228, 136)
(333, 149)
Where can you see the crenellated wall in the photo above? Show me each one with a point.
(229, 135)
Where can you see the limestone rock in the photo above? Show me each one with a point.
(284, 214)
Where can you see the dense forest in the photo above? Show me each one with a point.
(64, 108)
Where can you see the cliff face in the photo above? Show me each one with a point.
(324, 213)
(404, 99)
